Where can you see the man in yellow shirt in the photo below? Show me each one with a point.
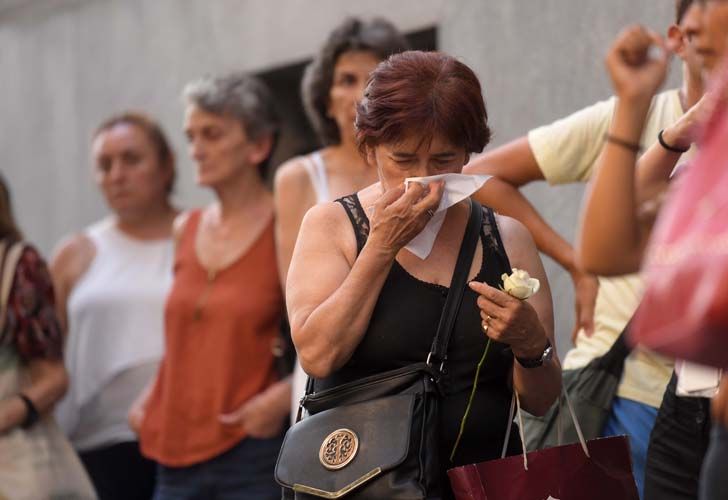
(565, 152)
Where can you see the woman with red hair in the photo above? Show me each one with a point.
(361, 304)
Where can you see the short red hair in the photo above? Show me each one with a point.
(425, 93)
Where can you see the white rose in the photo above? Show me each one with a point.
(520, 284)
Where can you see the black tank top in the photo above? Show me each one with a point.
(401, 331)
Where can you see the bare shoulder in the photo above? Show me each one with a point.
(516, 237)
(72, 258)
(179, 224)
(292, 176)
(512, 228)
(327, 224)
(325, 216)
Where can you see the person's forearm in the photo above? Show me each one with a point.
(507, 200)
(327, 337)
(537, 387)
(49, 382)
(653, 171)
(611, 239)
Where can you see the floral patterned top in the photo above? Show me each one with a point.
(32, 326)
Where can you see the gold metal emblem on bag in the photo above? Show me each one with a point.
(339, 449)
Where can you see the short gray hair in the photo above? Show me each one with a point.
(240, 96)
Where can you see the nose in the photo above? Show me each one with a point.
(117, 172)
(196, 150)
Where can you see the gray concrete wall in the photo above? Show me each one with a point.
(66, 64)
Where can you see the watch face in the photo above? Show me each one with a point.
(548, 353)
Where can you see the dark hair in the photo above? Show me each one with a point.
(243, 97)
(378, 36)
(154, 133)
(8, 227)
(428, 92)
(681, 7)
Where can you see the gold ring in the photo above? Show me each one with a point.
(484, 326)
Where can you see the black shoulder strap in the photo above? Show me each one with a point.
(438, 352)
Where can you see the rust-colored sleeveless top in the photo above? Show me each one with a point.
(219, 331)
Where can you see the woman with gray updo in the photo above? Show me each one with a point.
(214, 417)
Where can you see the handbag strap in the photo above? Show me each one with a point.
(516, 406)
(9, 256)
(438, 352)
(613, 360)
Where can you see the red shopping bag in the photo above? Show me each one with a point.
(684, 312)
(598, 469)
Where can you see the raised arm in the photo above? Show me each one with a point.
(656, 166)
(612, 238)
(331, 293)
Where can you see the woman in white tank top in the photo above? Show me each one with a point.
(112, 282)
(332, 86)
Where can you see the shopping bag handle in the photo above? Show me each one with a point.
(516, 405)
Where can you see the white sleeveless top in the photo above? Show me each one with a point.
(316, 169)
(116, 334)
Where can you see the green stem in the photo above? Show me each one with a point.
(470, 401)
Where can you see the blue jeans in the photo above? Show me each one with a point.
(635, 420)
(245, 472)
(713, 477)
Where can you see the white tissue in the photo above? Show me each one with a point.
(457, 188)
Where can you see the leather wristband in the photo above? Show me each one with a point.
(31, 415)
(665, 145)
(631, 146)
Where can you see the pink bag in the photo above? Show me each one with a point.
(684, 312)
(599, 469)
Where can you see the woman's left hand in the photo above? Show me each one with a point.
(510, 321)
(264, 415)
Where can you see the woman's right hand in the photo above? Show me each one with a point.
(401, 215)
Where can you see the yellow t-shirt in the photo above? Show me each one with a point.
(566, 151)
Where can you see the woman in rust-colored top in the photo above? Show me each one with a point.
(215, 415)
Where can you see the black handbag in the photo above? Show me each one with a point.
(377, 437)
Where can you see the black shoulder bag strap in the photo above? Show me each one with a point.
(438, 352)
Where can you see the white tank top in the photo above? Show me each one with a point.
(116, 334)
(316, 169)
